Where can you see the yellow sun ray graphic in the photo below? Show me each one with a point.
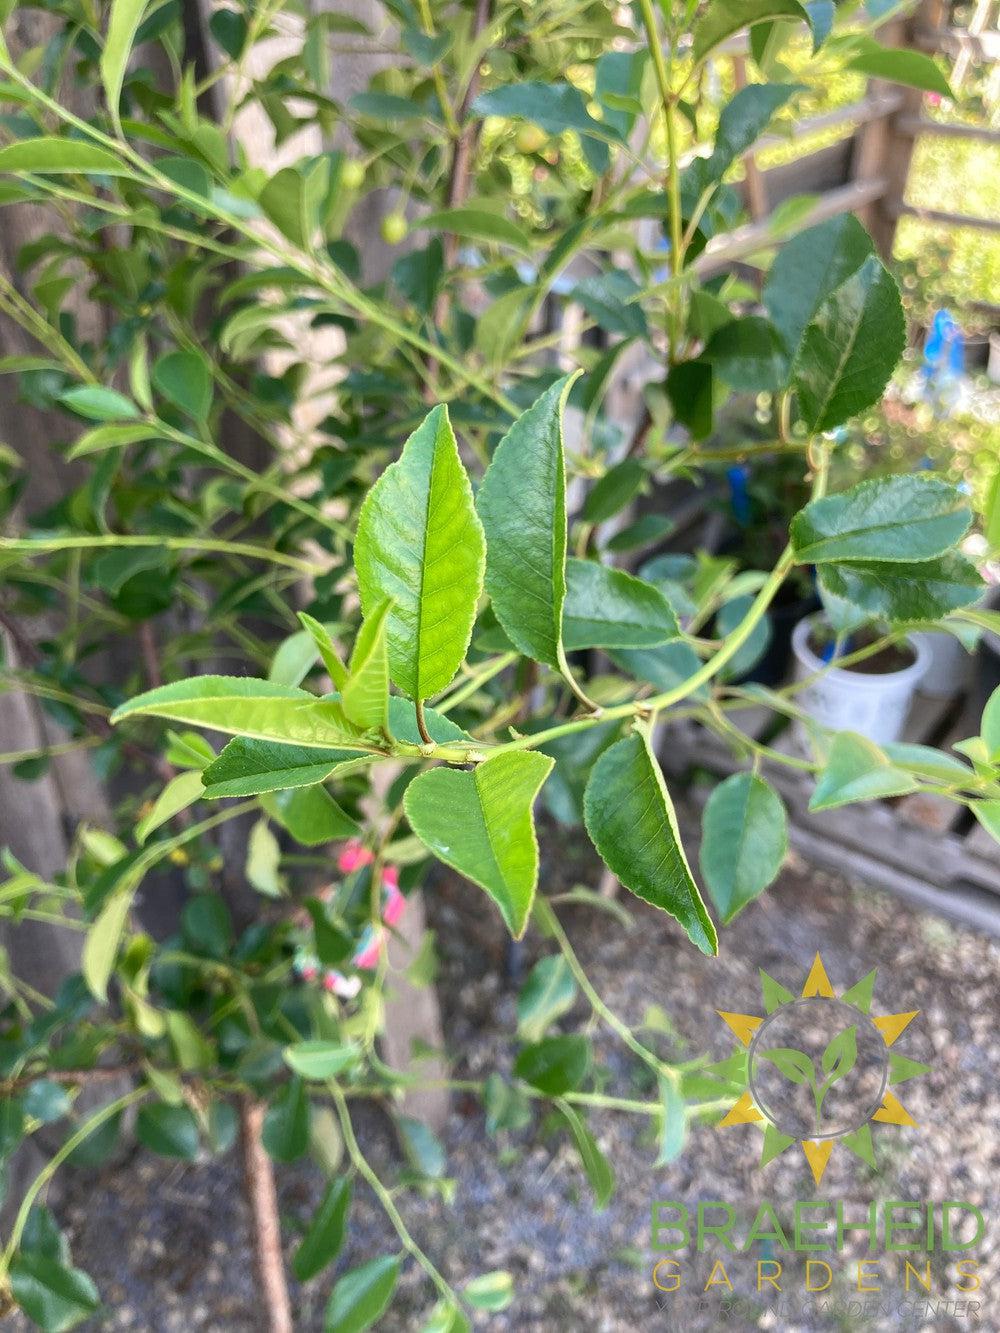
(837, 1061)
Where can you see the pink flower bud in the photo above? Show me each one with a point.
(395, 902)
(353, 856)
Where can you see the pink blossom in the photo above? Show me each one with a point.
(369, 957)
(395, 902)
(934, 99)
(353, 856)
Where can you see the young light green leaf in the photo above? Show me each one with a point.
(480, 823)
(319, 1060)
(840, 1055)
(490, 1291)
(851, 347)
(546, 995)
(723, 18)
(365, 694)
(248, 767)
(97, 403)
(598, 1169)
(177, 795)
(898, 519)
(522, 504)
(631, 821)
(263, 861)
(102, 438)
(100, 948)
(58, 156)
(244, 706)
(673, 1122)
(990, 728)
(126, 15)
(857, 770)
(325, 1233)
(796, 1066)
(327, 650)
(607, 608)
(361, 1297)
(744, 841)
(988, 814)
(420, 543)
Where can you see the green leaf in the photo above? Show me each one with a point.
(263, 863)
(744, 841)
(841, 1054)
(522, 504)
(365, 693)
(327, 649)
(492, 1292)
(723, 18)
(97, 403)
(554, 1065)
(851, 347)
(102, 438)
(123, 24)
(554, 107)
(319, 1060)
(900, 65)
(857, 770)
(689, 388)
(244, 706)
(990, 727)
(596, 1166)
(609, 299)
(547, 994)
(293, 659)
(424, 1150)
(420, 543)
(631, 821)
(324, 1237)
(46, 1101)
(185, 380)
(100, 948)
(230, 30)
(191, 1049)
(361, 1296)
(673, 1122)
(646, 530)
(613, 491)
(897, 519)
(285, 1134)
(177, 795)
(52, 1295)
(57, 156)
(171, 1131)
(988, 814)
(899, 593)
(808, 269)
(607, 608)
(478, 224)
(742, 121)
(310, 814)
(666, 667)
(749, 355)
(480, 823)
(796, 1066)
(247, 767)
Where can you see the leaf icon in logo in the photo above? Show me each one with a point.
(840, 1056)
(796, 1066)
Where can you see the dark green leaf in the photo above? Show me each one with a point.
(744, 841)
(479, 224)
(248, 767)
(285, 1134)
(310, 814)
(723, 18)
(361, 1296)
(596, 1166)
(689, 388)
(52, 1295)
(897, 519)
(607, 608)
(554, 1065)
(749, 355)
(547, 994)
(904, 592)
(324, 1236)
(185, 380)
(631, 821)
(609, 299)
(613, 491)
(171, 1131)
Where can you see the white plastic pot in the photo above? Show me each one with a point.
(874, 705)
(947, 663)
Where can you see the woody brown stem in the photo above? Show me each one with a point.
(262, 1198)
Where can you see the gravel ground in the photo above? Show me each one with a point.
(167, 1244)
